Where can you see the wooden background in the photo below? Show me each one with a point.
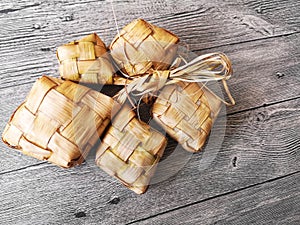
(254, 178)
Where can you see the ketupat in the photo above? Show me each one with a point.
(59, 121)
(130, 150)
(141, 46)
(86, 60)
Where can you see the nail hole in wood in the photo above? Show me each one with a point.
(45, 49)
(36, 26)
(261, 117)
(234, 161)
(259, 10)
(114, 200)
(67, 18)
(80, 214)
(280, 75)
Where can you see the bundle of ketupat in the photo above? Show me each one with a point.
(60, 121)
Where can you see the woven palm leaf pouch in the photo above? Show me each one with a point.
(86, 60)
(59, 121)
(141, 46)
(187, 112)
(130, 150)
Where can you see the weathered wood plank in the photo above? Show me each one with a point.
(276, 202)
(277, 11)
(259, 145)
(31, 31)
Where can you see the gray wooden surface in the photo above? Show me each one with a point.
(254, 177)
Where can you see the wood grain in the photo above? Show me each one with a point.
(265, 71)
(277, 11)
(259, 145)
(32, 30)
(276, 202)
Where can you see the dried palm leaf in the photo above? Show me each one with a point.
(59, 121)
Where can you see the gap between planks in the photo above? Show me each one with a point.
(262, 106)
(23, 168)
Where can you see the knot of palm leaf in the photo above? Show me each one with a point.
(204, 68)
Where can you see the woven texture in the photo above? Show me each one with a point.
(142, 46)
(130, 151)
(85, 60)
(186, 111)
(59, 121)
